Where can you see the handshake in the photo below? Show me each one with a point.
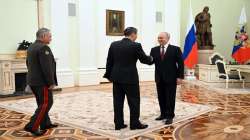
(121, 70)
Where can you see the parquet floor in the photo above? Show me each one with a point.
(230, 122)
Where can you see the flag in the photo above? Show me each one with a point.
(241, 49)
(190, 54)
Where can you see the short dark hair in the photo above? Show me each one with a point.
(130, 30)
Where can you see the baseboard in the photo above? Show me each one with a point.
(101, 72)
(146, 74)
(89, 76)
(65, 78)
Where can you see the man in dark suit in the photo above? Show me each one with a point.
(42, 79)
(121, 70)
(169, 71)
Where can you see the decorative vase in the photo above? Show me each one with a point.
(21, 54)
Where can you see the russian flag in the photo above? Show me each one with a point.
(241, 49)
(190, 54)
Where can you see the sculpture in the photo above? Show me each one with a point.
(203, 30)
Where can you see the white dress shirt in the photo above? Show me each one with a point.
(165, 48)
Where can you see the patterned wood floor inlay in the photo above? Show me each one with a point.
(231, 121)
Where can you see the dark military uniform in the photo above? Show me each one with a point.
(41, 74)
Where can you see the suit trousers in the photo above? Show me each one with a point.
(132, 92)
(166, 97)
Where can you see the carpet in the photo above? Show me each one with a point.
(93, 111)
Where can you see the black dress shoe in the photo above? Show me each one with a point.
(35, 133)
(139, 126)
(50, 126)
(169, 121)
(121, 127)
(160, 118)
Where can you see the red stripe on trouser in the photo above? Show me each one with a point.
(43, 110)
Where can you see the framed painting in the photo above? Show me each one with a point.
(115, 22)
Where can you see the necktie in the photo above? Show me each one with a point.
(162, 52)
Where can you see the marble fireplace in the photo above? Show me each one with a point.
(12, 74)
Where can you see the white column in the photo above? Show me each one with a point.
(88, 72)
(148, 24)
(60, 47)
(46, 13)
(147, 35)
(40, 13)
(173, 20)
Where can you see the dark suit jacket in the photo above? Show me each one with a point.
(41, 65)
(121, 61)
(172, 66)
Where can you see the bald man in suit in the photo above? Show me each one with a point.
(169, 72)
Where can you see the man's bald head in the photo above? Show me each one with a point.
(163, 38)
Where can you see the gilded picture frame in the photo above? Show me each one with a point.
(115, 21)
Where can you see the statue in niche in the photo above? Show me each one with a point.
(203, 30)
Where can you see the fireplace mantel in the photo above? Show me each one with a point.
(9, 66)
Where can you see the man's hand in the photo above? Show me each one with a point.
(109, 80)
(179, 81)
(152, 59)
(107, 77)
(51, 87)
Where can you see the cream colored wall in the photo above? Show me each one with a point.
(103, 41)
(225, 16)
(47, 13)
(18, 22)
(160, 6)
(80, 43)
(247, 2)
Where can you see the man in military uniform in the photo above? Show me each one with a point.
(42, 79)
